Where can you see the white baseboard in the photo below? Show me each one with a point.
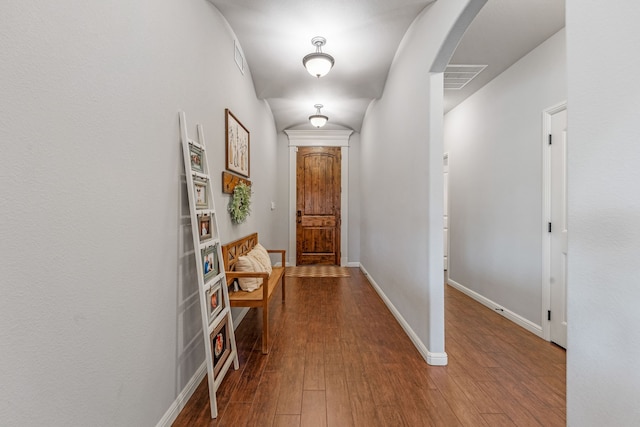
(182, 399)
(353, 264)
(515, 318)
(279, 264)
(436, 359)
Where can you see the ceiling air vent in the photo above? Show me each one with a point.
(457, 76)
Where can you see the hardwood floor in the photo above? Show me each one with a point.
(339, 358)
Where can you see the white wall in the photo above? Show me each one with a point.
(494, 140)
(401, 182)
(353, 255)
(98, 315)
(603, 357)
(283, 210)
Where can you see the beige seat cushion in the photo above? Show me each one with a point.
(260, 254)
(247, 263)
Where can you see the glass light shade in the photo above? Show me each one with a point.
(318, 64)
(318, 120)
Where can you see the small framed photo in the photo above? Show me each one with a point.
(210, 262)
(195, 153)
(200, 191)
(204, 226)
(220, 345)
(215, 301)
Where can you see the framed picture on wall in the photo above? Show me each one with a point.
(200, 192)
(214, 301)
(204, 227)
(195, 153)
(237, 145)
(220, 345)
(210, 262)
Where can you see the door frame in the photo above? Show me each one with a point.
(546, 216)
(319, 138)
(447, 240)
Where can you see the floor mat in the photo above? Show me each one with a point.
(317, 271)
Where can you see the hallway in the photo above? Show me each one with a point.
(339, 358)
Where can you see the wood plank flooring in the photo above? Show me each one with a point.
(339, 358)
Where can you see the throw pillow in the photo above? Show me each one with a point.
(246, 263)
(260, 254)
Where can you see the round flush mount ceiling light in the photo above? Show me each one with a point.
(318, 120)
(318, 63)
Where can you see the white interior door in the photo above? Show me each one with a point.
(559, 234)
(446, 211)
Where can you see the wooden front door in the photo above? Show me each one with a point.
(318, 205)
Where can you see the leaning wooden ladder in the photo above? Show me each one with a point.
(217, 324)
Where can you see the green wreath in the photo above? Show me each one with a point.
(240, 204)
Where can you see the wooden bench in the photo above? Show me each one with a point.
(261, 296)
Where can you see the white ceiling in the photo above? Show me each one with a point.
(363, 36)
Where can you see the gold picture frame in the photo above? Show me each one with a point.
(238, 145)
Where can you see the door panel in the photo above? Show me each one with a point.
(318, 205)
(559, 232)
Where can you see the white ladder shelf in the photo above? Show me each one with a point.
(217, 324)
